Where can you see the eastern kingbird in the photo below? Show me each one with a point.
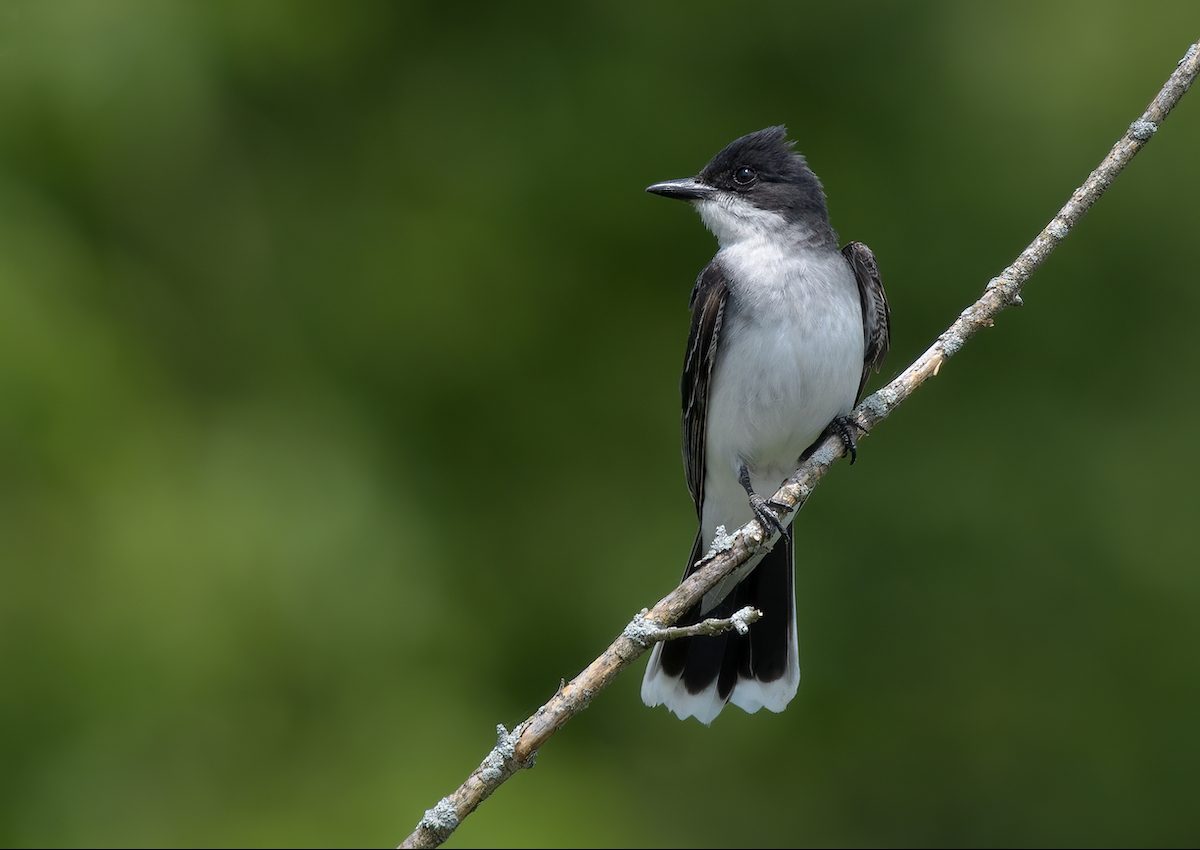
(785, 329)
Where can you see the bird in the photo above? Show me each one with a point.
(785, 329)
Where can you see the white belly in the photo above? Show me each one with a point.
(789, 361)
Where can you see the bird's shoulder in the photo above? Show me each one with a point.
(713, 281)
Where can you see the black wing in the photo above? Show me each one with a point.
(708, 309)
(877, 318)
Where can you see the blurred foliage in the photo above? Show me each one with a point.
(338, 421)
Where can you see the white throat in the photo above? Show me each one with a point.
(732, 220)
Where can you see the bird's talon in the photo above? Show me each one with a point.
(765, 516)
(844, 427)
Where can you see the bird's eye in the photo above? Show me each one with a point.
(744, 176)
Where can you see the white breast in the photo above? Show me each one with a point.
(789, 361)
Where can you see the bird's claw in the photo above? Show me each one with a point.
(844, 427)
(764, 512)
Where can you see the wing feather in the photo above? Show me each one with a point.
(877, 316)
(708, 311)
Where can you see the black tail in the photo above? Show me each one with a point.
(760, 656)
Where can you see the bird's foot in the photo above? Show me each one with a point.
(764, 509)
(768, 513)
(844, 427)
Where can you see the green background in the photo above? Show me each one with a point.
(339, 351)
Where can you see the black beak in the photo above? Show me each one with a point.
(687, 189)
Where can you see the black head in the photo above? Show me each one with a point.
(763, 171)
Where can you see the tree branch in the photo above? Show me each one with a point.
(517, 749)
(643, 631)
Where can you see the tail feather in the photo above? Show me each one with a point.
(696, 677)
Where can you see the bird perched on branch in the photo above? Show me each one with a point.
(785, 329)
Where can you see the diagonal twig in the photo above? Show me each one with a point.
(517, 749)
